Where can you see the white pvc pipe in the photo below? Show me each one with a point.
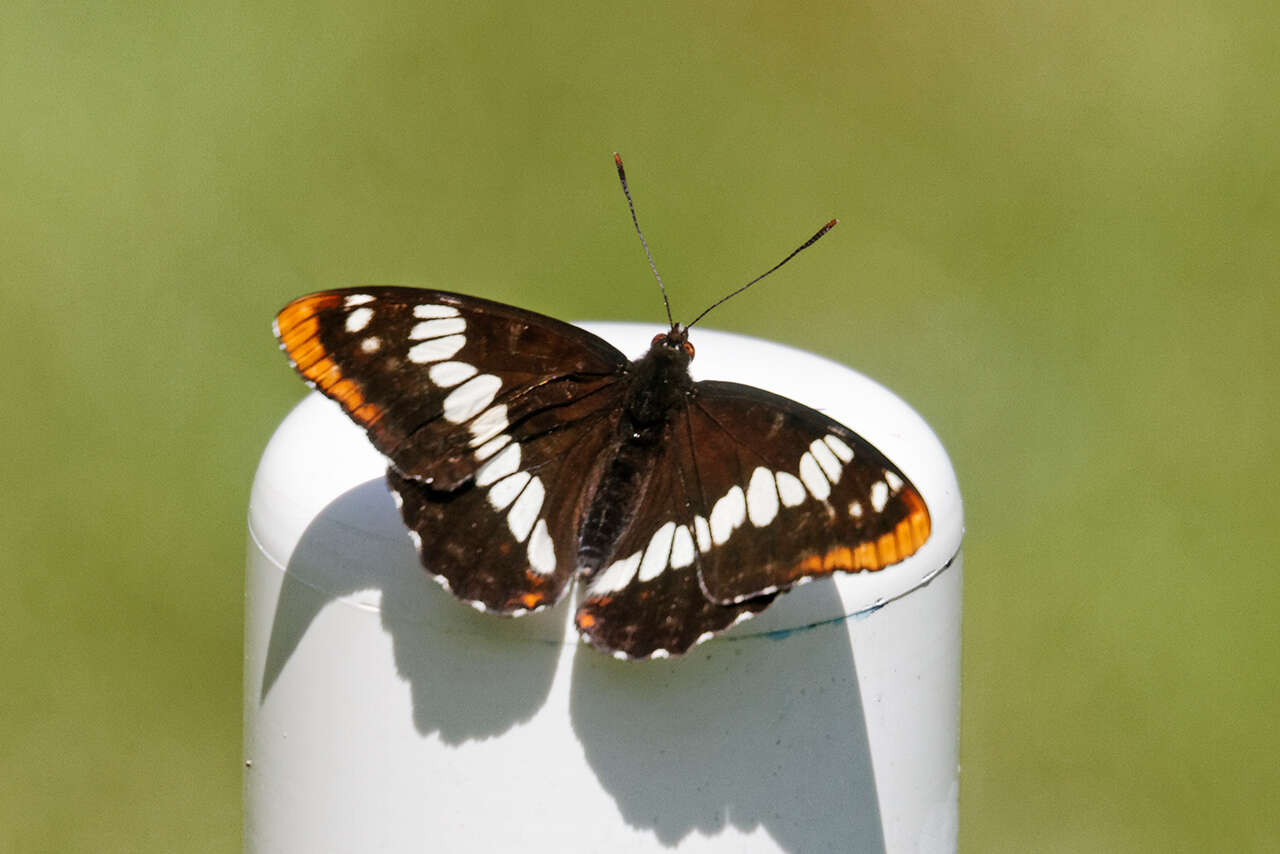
(382, 715)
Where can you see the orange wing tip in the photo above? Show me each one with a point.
(347, 393)
(867, 557)
(906, 538)
(367, 414)
(297, 322)
(919, 529)
(306, 355)
(840, 558)
(887, 549)
(298, 328)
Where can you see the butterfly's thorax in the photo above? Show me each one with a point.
(658, 386)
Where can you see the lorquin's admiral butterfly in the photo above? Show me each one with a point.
(525, 453)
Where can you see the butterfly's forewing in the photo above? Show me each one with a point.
(434, 376)
(646, 600)
(787, 494)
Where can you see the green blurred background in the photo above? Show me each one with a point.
(1059, 242)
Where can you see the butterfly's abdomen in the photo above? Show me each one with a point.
(659, 386)
(613, 504)
(623, 480)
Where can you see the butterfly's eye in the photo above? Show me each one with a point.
(672, 341)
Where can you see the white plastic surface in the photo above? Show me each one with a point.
(382, 715)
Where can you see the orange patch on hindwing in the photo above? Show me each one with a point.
(896, 545)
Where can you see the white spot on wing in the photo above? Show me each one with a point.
(841, 450)
(437, 328)
(499, 467)
(615, 576)
(855, 509)
(356, 299)
(728, 513)
(814, 480)
(491, 447)
(449, 374)
(895, 482)
(703, 530)
(762, 497)
(506, 490)
(657, 552)
(791, 489)
(370, 344)
(488, 424)
(425, 311)
(524, 512)
(471, 397)
(682, 548)
(542, 552)
(358, 319)
(826, 460)
(436, 350)
(879, 495)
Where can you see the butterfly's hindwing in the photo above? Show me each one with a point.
(507, 540)
(788, 494)
(645, 600)
(434, 376)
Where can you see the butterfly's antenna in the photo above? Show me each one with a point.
(798, 250)
(622, 176)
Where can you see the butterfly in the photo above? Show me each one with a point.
(526, 454)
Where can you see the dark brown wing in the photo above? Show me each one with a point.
(507, 540)
(788, 493)
(433, 376)
(646, 601)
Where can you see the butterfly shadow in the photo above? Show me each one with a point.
(765, 730)
(757, 730)
(356, 553)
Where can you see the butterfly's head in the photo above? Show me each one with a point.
(676, 340)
